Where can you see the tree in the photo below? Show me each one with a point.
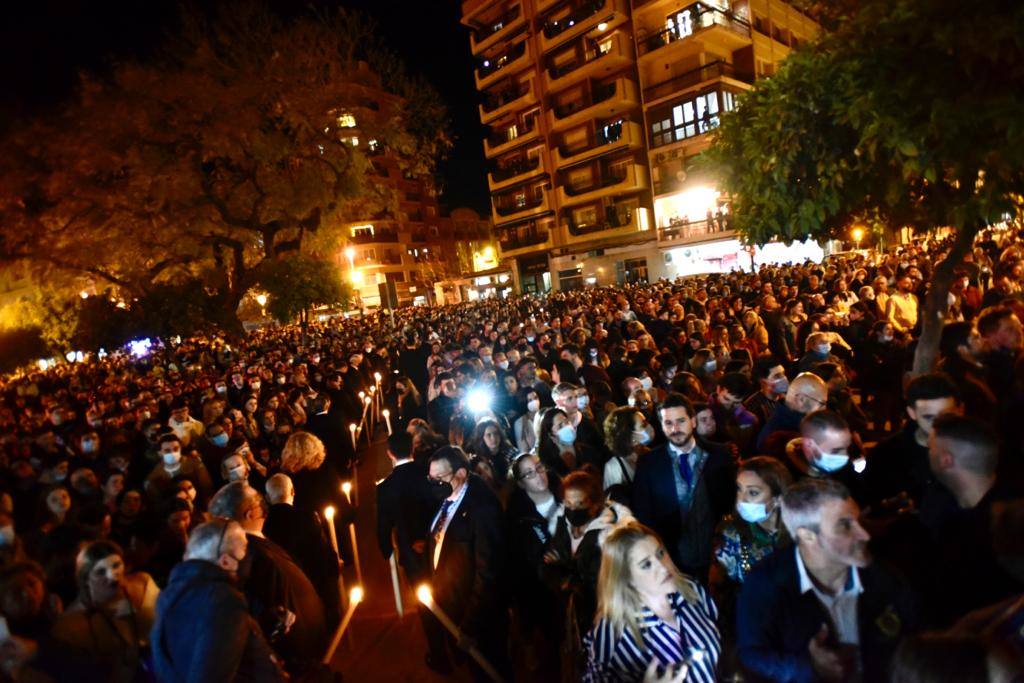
(906, 113)
(235, 148)
(295, 283)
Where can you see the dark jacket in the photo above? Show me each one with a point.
(784, 420)
(687, 535)
(334, 433)
(467, 578)
(301, 533)
(405, 507)
(527, 537)
(775, 621)
(204, 631)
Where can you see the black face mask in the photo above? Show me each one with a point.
(577, 517)
(440, 490)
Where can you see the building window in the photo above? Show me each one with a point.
(346, 121)
(635, 270)
(690, 118)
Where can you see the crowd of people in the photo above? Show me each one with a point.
(726, 477)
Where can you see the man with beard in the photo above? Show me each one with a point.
(822, 610)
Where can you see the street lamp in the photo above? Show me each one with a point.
(858, 235)
(261, 299)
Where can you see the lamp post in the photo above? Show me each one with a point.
(858, 235)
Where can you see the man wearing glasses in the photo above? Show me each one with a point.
(806, 393)
(204, 632)
(466, 554)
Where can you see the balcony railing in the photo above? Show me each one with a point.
(605, 179)
(589, 56)
(391, 259)
(701, 17)
(516, 241)
(615, 217)
(509, 207)
(493, 101)
(516, 167)
(553, 29)
(493, 65)
(681, 229)
(600, 93)
(694, 77)
(502, 138)
(480, 35)
(604, 136)
(383, 235)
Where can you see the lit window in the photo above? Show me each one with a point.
(346, 121)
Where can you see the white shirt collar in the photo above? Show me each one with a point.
(853, 584)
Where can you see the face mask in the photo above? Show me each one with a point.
(6, 535)
(533, 406)
(60, 476)
(567, 434)
(88, 445)
(646, 383)
(644, 436)
(823, 349)
(486, 360)
(886, 338)
(582, 402)
(631, 401)
(440, 490)
(831, 462)
(752, 512)
(255, 386)
(503, 364)
(236, 473)
(530, 339)
(577, 517)
(780, 386)
(711, 366)
(281, 380)
(221, 389)
(220, 440)
(171, 459)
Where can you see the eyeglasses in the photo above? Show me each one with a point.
(816, 400)
(446, 478)
(530, 474)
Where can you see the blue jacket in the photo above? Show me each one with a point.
(204, 632)
(775, 621)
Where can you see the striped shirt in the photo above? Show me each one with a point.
(620, 659)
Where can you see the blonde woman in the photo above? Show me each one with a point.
(653, 624)
(317, 484)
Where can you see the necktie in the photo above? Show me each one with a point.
(439, 526)
(685, 470)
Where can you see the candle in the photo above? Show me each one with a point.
(355, 552)
(352, 432)
(394, 585)
(329, 516)
(355, 597)
(387, 419)
(424, 595)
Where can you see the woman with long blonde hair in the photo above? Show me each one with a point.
(653, 623)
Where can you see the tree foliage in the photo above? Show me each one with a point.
(906, 113)
(295, 283)
(228, 151)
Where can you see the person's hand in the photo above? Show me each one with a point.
(824, 659)
(552, 557)
(656, 673)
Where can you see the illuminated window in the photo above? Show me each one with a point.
(346, 121)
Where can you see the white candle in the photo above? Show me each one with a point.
(426, 597)
(354, 598)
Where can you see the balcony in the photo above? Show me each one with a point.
(623, 135)
(507, 100)
(605, 101)
(616, 216)
(517, 171)
(496, 30)
(592, 64)
(507, 209)
(694, 78)
(591, 17)
(633, 179)
(491, 70)
(531, 238)
(378, 235)
(694, 28)
(544, 5)
(499, 143)
(681, 231)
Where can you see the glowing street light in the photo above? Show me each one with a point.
(261, 299)
(857, 234)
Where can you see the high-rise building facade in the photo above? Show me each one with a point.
(595, 110)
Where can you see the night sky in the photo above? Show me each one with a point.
(44, 43)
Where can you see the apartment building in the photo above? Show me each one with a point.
(596, 110)
(415, 242)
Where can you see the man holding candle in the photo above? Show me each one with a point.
(465, 553)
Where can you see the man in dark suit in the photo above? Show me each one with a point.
(810, 613)
(682, 488)
(405, 508)
(331, 429)
(466, 554)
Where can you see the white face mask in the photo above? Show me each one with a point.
(824, 349)
(710, 366)
(831, 462)
(646, 383)
(753, 512)
(533, 406)
(503, 364)
(582, 402)
(567, 434)
(631, 401)
(644, 436)
(171, 458)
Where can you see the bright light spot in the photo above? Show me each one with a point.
(350, 253)
(478, 400)
(387, 413)
(376, 376)
(602, 26)
(367, 400)
(591, 280)
(329, 513)
(43, 363)
(261, 299)
(84, 294)
(857, 234)
(362, 395)
(357, 278)
(486, 63)
(139, 348)
(423, 594)
(859, 465)
(79, 356)
(355, 596)
(346, 488)
(687, 206)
